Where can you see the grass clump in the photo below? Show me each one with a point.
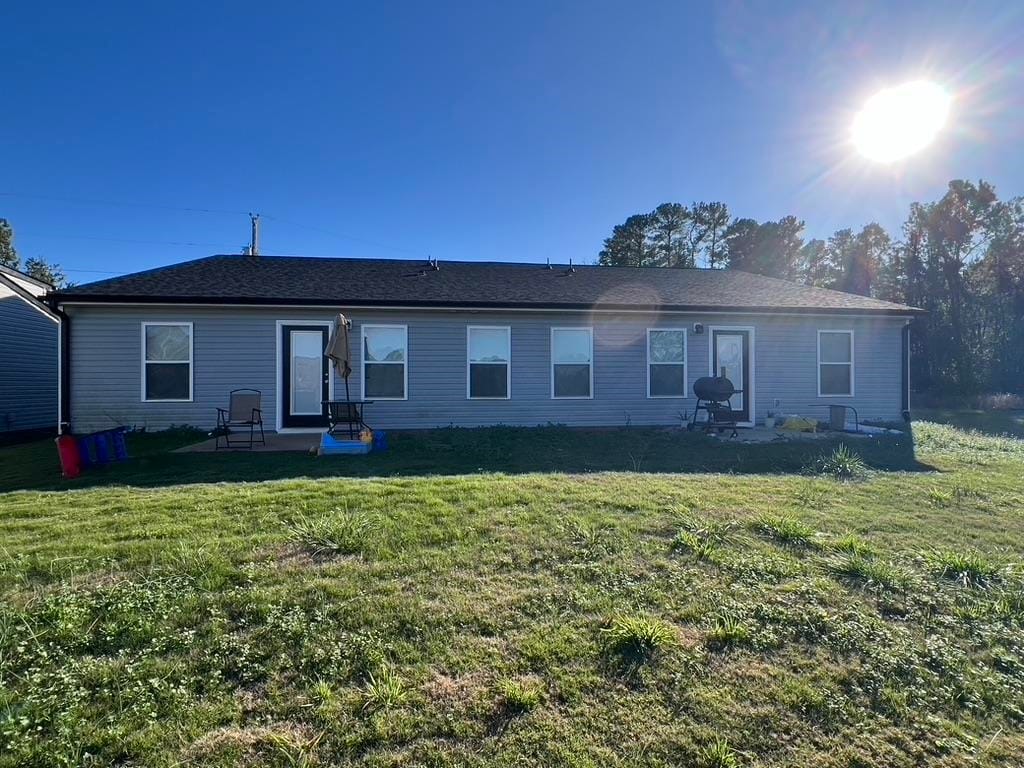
(339, 532)
(852, 544)
(384, 690)
(519, 696)
(639, 638)
(718, 754)
(842, 464)
(871, 573)
(969, 567)
(785, 529)
(728, 631)
(687, 541)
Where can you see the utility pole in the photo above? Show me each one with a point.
(254, 242)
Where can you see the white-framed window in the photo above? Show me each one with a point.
(572, 363)
(385, 362)
(488, 362)
(835, 363)
(166, 362)
(666, 362)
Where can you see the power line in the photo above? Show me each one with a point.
(135, 242)
(122, 204)
(216, 211)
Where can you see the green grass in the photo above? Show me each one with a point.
(450, 451)
(447, 614)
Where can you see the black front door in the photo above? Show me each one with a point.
(305, 376)
(730, 357)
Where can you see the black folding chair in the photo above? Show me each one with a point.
(243, 411)
(346, 415)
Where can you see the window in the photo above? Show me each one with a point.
(572, 358)
(835, 363)
(488, 356)
(385, 373)
(666, 362)
(166, 362)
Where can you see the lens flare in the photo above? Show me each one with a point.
(898, 122)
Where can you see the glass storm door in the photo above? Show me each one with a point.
(730, 357)
(305, 376)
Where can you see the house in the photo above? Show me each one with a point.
(29, 332)
(469, 343)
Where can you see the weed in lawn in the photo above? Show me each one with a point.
(638, 638)
(728, 631)
(339, 532)
(384, 690)
(519, 696)
(968, 567)
(701, 548)
(871, 573)
(852, 544)
(718, 754)
(842, 464)
(590, 541)
(785, 529)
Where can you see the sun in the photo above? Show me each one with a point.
(898, 122)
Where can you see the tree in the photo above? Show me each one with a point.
(710, 221)
(669, 223)
(771, 248)
(47, 273)
(628, 246)
(8, 255)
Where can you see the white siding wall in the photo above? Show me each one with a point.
(235, 347)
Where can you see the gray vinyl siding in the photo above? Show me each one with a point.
(238, 347)
(28, 365)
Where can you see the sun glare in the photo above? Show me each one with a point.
(897, 122)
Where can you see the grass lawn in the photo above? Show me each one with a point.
(627, 610)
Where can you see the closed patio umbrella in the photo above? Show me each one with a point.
(338, 349)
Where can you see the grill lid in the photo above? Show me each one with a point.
(716, 388)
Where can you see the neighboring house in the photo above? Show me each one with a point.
(470, 343)
(29, 332)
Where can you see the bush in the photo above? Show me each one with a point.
(842, 464)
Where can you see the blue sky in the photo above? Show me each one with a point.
(472, 130)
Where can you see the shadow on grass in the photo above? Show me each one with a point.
(452, 451)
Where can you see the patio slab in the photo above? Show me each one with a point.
(276, 443)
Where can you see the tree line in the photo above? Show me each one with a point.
(33, 266)
(960, 257)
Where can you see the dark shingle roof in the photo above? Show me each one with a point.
(241, 279)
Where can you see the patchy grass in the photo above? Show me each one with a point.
(208, 624)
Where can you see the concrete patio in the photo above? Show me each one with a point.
(275, 443)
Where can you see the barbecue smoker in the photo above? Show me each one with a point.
(713, 397)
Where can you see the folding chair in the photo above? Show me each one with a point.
(243, 411)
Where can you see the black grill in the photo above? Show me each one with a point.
(713, 396)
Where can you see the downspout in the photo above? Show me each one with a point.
(63, 367)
